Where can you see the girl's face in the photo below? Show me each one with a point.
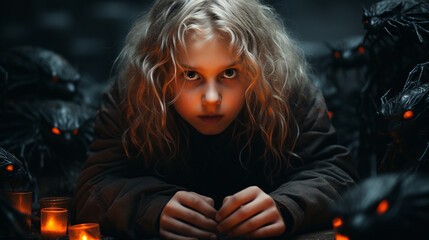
(210, 90)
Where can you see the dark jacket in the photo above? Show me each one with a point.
(127, 198)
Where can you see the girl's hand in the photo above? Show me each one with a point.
(188, 215)
(250, 213)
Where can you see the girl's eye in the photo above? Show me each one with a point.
(191, 76)
(229, 73)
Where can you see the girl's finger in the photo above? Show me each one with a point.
(235, 201)
(271, 230)
(174, 209)
(195, 218)
(172, 236)
(241, 214)
(193, 201)
(263, 219)
(180, 228)
(209, 200)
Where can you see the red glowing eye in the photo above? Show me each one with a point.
(337, 222)
(361, 49)
(366, 21)
(408, 114)
(9, 168)
(54, 79)
(56, 131)
(75, 132)
(330, 114)
(341, 237)
(382, 207)
(337, 54)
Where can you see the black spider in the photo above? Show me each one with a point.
(396, 39)
(395, 19)
(13, 175)
(390, 206)
(339, 73)
(13, 172)
(35, 72)
(405, 119)
(52, 136)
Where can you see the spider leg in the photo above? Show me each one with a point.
(391, 23)
(388, 154)
(421, 159)
(422, 28)
(387, 30)
(419, 19)
(419, 36)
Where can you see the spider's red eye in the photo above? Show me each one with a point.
(337, 54)
(54, 79)
(9, 168)
(56, 131)
(366, 21)
(76, 131)
(337, 222)
(408, 114)
(361, 49)
(330, 114)
(382, 207)
(341, 237)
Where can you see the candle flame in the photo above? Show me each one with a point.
(50, 224)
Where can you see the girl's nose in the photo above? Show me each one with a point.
(211, 96)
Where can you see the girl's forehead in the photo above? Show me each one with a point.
(195, 39)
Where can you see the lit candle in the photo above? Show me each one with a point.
(84, 231)
(21, 201)
(57, 202)
(53, 223)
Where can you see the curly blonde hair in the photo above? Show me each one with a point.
(148, 62)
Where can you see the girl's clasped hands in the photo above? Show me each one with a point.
(250, 213)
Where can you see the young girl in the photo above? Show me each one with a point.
(212, 128)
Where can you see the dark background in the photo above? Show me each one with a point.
(90, 33)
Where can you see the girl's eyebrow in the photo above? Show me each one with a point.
(184, 66)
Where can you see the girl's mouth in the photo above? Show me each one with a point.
(211, 118)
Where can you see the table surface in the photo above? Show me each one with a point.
(321, 235)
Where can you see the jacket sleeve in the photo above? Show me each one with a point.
(125, 204)
(324, 171)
